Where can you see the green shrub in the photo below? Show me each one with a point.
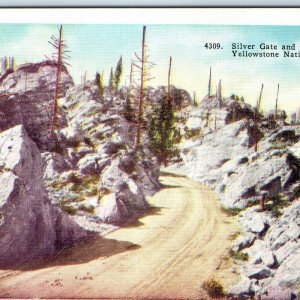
(213, 288)
(231, 211)
(68, 208)
(89, 209)
(73, 178)
(75, 143)
(190, 133)
(233, 236)
(238, 255)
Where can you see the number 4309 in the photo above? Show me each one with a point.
(212, 46)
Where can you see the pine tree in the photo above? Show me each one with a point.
(129, 112)
(111, 83)
(99, 83)
(161, 125)
(209, 83)
(161, 129)
(118, 73)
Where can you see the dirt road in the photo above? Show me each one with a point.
(168, 253)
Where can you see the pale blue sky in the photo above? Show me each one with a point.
(98, 48)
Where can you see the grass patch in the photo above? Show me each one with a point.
(276, 205)
(89, 209)
(213, 288)
(92, 192)
(239, 255)
(191, 133)
(74, 143)
(231, 211)
(68, 208)
(233, 236)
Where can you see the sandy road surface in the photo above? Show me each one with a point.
(168, 253)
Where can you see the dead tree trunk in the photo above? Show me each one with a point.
(169, 75)
(58, 46)
(256, 119)
(276, 105)
(141, 94)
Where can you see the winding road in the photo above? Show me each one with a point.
(169, 253)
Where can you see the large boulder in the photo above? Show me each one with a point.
(27, 97)
(29, 225)
(205, 159)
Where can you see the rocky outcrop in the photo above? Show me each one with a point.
(213, 113)
(238, 174)
(208, 159)
(98, 174)
(27, 98)
(30, 226)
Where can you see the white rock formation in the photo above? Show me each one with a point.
(29, 225)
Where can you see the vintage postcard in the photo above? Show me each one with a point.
(150, 153)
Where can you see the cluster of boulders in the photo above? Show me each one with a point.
(57, 188)
(273, 249)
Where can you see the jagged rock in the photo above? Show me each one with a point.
(242, 288)
(53, 165)
(112, 210)
(287, 229)
(244, 241)
(30, 226)
(253, 221)
(287, 276)
(256, 272)
(27, 97)
(268, 259)
(279, 293)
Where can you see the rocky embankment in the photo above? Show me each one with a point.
(223, 157)
(87, 177)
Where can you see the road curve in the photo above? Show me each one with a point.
(183, 241)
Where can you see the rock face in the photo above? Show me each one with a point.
(27, 97)
(274, 256)
(238, 174)
(29, 225)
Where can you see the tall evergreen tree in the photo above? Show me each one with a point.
(129, 112)
(99, 83)
(161, 129)
(111, 83)
(118, 73)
